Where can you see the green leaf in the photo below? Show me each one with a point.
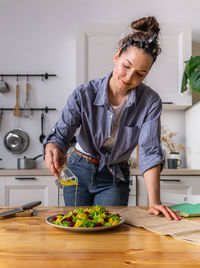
(185, 78)
(195, 79)
(193, 64)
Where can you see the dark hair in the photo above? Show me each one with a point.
(145, 36)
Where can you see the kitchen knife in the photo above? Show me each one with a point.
(21, 209)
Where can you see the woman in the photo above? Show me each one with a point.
(114, 115)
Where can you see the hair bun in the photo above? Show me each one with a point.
(145, 36)
(148, 25)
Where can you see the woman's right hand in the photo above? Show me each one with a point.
(54, 158)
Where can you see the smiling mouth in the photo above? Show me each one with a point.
(125, 83)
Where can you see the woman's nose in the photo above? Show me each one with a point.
(130, 75)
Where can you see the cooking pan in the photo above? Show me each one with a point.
(27, 163)
(16, 141)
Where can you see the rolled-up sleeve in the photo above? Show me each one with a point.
(150, 151)
(63, 131)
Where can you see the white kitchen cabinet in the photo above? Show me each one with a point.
(61, 201)
(173, 190)
(180, 189)
(19, 190)
(166, 76)
(142, 198)
(97, 44)
(132, 201)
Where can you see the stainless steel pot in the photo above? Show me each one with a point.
(16, 141)
(27, 163)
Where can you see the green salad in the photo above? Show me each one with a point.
(95, 216)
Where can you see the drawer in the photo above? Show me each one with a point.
(175, 185)
(19, 190)
(173, 198)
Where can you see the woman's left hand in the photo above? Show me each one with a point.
(165, 210)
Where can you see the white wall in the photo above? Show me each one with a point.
(38, 36)
(192, 136)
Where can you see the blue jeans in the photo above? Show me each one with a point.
(96, 187)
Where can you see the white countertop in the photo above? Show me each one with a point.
(46, 172)
(167, 172)
(25, 172)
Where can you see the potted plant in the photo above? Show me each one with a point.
(167, 139)
(191, 75)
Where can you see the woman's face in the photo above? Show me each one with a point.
(130, 69)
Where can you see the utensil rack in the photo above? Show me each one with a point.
(45, 75)
(45, 109)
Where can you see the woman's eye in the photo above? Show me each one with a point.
(140, 75)
(127, 67)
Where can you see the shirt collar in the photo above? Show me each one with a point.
(102, 98)
(132, 97)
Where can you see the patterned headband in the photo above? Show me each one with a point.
(147, 45)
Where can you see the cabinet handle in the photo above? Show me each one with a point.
(170, 180)
(25, 178)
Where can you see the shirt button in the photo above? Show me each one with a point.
(111, 116)
(108, 136)
(111, 169)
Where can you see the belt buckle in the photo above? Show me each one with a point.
(93, 161)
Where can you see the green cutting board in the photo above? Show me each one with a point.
(187, 210)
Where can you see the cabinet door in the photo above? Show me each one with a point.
(180, 189)
(97, 44)
(16, 191)
(165, 77)
(133, 191)
(61, 201)
(142, 198)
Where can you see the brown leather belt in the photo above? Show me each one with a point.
(94, 160)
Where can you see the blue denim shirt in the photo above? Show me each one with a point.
(88, 108)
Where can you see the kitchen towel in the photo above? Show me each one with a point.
(188, 230)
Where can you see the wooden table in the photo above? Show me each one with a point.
(31, 242)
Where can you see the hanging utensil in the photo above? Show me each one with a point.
(17, 111)
(16, 141)
(27, 109)
(3, 86)
(42, 136)
(1, 117)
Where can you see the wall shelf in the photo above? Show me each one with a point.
(45, 109)
(175, 107)
(45, 75)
